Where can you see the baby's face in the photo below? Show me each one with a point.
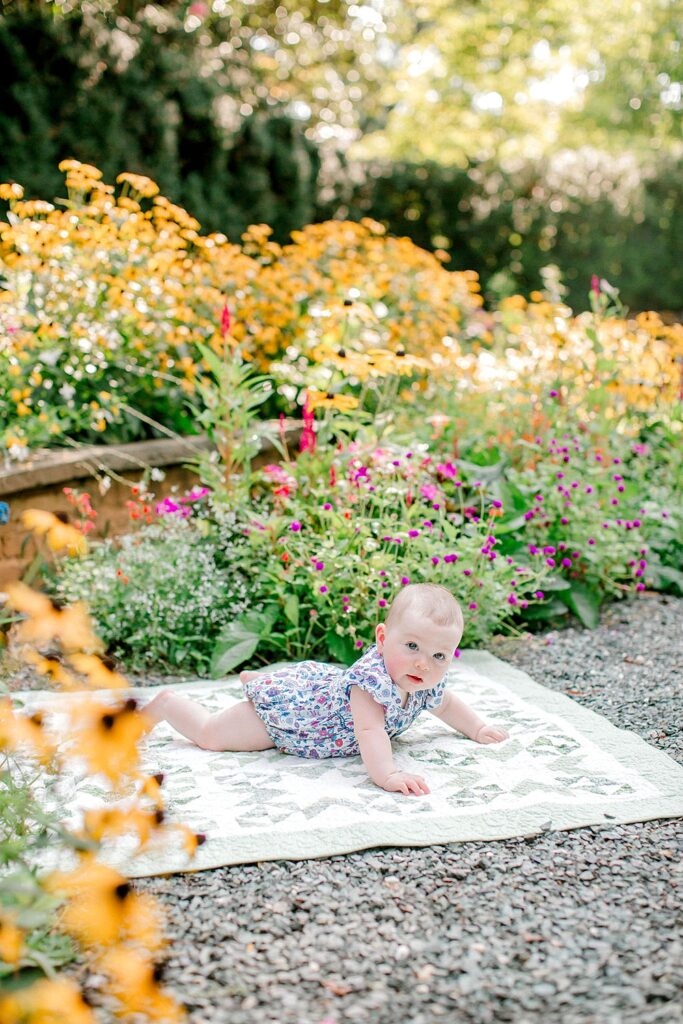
(416, 651)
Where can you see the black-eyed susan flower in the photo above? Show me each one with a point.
(48, 1001)
(60, 535)
(107, 737)
(17, 730)
(11, 939)
(134, 981)
(328, 400)
(99, 675)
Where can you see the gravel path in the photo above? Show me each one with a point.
(570, 926)
(566, 927)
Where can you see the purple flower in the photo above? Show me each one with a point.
(413, 533)
(319, 566)
(295, 526)
(539, 595)
(382, 603)
(567, 563)
(435, 560)
(553, 393)
(359, 643)
(405, 580)
(450, 558)
(467, 572)
(472, 606)
(323, 589)
(456, 654)
(497, 504)
(327, 506)
(550, 562)
(512, 599)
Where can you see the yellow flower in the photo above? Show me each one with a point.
(100, 904)
(24, 730)
(46, 1002)
(11, 190)
(327, 400)
(59, 535)
(107, 737)
(99, 676)
(11, 940)
(54, 669)
(144, 186)
(133, 981)
(76, 165)
(47, 621)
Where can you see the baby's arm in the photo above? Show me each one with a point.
(375, 746)
(458, 715)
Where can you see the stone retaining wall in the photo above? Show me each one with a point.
(40, 483)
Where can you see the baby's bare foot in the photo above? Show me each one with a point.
(246, 676)
(154, 711)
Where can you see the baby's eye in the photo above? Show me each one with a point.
(411, 645)
(439, 656)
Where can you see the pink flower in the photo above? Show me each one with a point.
(225, 313)
(307, 442)
(429, 491)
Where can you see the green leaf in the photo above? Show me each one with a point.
(292, 609)
(341, 648)
(665, 577)
(547, 610)
(584, 603)
(514, 524)
(555, 583)
(233, 647)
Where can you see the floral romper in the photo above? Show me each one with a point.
(306, 708)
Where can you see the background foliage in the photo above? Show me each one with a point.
(284, 114)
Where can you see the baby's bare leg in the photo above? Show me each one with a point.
(236, 728)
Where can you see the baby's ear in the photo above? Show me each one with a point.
(379, 636)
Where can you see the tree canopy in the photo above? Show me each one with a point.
(476, 80)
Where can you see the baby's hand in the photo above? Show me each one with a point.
(403, 782)
(491, 734)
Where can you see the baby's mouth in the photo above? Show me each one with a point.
(414, 679)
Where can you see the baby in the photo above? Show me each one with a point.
(315, 710)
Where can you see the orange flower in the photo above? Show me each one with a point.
(107, 737)
(20, 730)
(11, 940)
(101, 907)
(46, 1002)
(47, 621)
(59, 534)
(99, 676)
(134, 982)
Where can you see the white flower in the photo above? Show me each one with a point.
(157, 474)
(104, 484)
(67, 391)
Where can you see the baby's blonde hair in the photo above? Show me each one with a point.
(428, 599)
